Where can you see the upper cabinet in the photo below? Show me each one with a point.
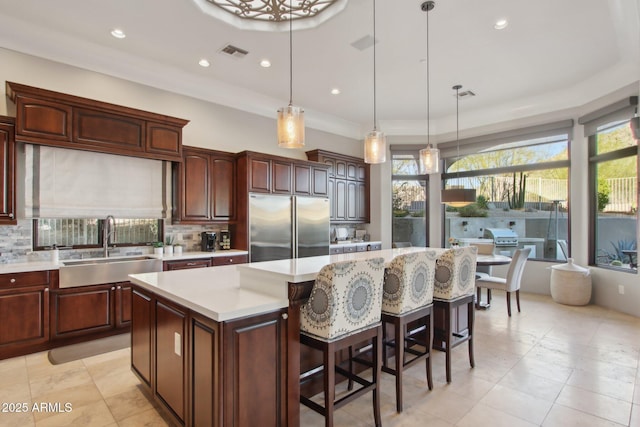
(348, 186)
(52, 118)
(204, 187)
(7, 175)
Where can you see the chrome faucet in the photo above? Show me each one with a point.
(108, 230)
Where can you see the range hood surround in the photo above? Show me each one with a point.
(66, 183)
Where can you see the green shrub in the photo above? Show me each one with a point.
(472, 210)
(400, 212)
(482, 202)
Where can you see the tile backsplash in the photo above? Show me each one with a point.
(16, 243)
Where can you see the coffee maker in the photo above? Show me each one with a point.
(208, 241)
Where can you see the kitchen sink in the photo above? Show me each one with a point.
(105, 270)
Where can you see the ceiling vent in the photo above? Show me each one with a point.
(466, 94)
(234, 52)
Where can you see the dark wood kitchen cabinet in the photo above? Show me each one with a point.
(204, 187)
(348, 186)
(24, 312)
(204, 372)
(186, 264)
(90, 311)
(7, 172)
(59, 119)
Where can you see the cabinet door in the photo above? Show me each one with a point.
(341, 169)
(99, 128)
(320, 182)
(141, 330)
(302, 179)
(223, 188)
(260, 175)
(41, 121)
(352, 200)
(81, 311)
(170, 357)
(362, 172)
(24, 317)
(331, 192)
(163, 139)
(363, 202)
(281, 177)
(7, 173)
(195, 186)
(205, 373)
(186, 264)
(123, 304)
(341, 200)
(352, 171)
(254, 387)
(230, 260)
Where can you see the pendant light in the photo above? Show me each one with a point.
(291, 118)
(375, 144)
(429, 156)
(459, 196)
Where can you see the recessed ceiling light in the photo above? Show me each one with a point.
(501, 24)
(265, 63)
(118, 33)
(204, 63)
(335, 91)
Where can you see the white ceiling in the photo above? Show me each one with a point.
(555, 54)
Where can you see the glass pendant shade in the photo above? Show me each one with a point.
(291, 127)
(458, 197)
(375, 147)
(429, 160)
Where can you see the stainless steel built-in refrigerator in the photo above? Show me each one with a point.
(282, 227)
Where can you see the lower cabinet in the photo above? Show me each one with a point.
(90, 310)
(24, 318)
(230, 260)
(186, 264)
(206, 373)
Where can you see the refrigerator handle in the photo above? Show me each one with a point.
(294, 228)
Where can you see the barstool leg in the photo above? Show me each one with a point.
(329, 385)
(377, 373)
(471, 318)
(350, 382)
(428, 346)
(399, 350)
(447, 341)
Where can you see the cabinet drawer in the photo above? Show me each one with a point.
(350, 249)
(182, 265)
(31, 278)
(376, 247)
(338, 250)
(229, 260)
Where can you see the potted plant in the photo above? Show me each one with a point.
(168, 247)
(157, 248)
(177, 248)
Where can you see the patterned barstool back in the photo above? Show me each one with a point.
(346, 296)
(455, 273)
(408, 282)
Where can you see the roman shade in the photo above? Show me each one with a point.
(616, 112)
(65, 183)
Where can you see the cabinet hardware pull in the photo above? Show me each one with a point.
(46, 289)
(285, 316)
(119, 287)
(13, 280)
(11, 215)
(191, 263)
(113, 288)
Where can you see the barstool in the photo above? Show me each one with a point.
(407, 304)
(453, 290)
(344, 309)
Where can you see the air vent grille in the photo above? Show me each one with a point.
(234, 51)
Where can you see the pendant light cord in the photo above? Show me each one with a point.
(290, 55)
(428, 92)
(375, 116)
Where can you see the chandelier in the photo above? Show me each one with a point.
(273, 10)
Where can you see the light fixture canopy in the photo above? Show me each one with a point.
(429, 156)
(458, 196)
(290, 119)
(375, 143)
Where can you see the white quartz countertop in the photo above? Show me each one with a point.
(213, 292)
(230, 292)
(23, 267)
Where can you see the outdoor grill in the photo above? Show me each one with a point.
(502, 237)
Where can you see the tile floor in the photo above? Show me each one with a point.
(551, 365)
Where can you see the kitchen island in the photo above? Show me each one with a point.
(220, 346)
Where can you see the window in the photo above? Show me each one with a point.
(409, 199)
(522, 187)
(614, 193)
(81, 233)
